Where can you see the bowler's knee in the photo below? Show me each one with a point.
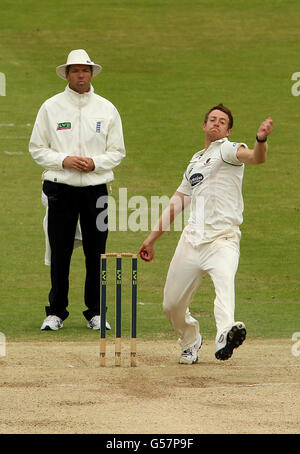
(171, 303)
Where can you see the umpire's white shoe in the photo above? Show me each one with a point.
(190, 355)
(229, 340)
(95, 323)
(52, 323)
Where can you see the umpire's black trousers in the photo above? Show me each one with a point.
(67, 204)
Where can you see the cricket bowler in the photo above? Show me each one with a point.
(210, 242)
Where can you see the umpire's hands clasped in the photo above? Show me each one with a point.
(79, 163)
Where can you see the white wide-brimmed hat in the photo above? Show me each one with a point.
(77, 57)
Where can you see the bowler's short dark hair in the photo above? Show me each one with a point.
(224, 109)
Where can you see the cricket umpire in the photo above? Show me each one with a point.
(78, 139)
(212, 186)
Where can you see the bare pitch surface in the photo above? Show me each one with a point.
(60, 388)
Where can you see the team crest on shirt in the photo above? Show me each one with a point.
(196, 178)
(64, 125)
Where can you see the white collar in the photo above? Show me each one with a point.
(77, 97)
(225, 139)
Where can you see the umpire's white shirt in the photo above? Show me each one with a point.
(213, 179)
(73, 124)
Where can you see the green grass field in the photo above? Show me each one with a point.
(165, 63)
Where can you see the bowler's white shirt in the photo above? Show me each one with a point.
(213, 179)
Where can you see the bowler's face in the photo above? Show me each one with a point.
(79, 78)
(216, 126)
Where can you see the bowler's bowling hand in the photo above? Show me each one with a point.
(265, 129)
(147, 251)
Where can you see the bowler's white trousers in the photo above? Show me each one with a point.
(189, 264)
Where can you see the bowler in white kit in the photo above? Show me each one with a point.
(210, 242)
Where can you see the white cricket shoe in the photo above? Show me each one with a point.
(95, 323)
(229, 340)
(190, 355)
(52, 323)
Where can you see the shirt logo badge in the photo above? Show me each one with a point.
(98, 126)
(65, 125)
(196, 179)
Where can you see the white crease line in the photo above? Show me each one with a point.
(266, 384)
(268, 367)
(10, 153)
(10, 125)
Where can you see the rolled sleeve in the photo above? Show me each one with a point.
(229, 152)
(185, 186)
